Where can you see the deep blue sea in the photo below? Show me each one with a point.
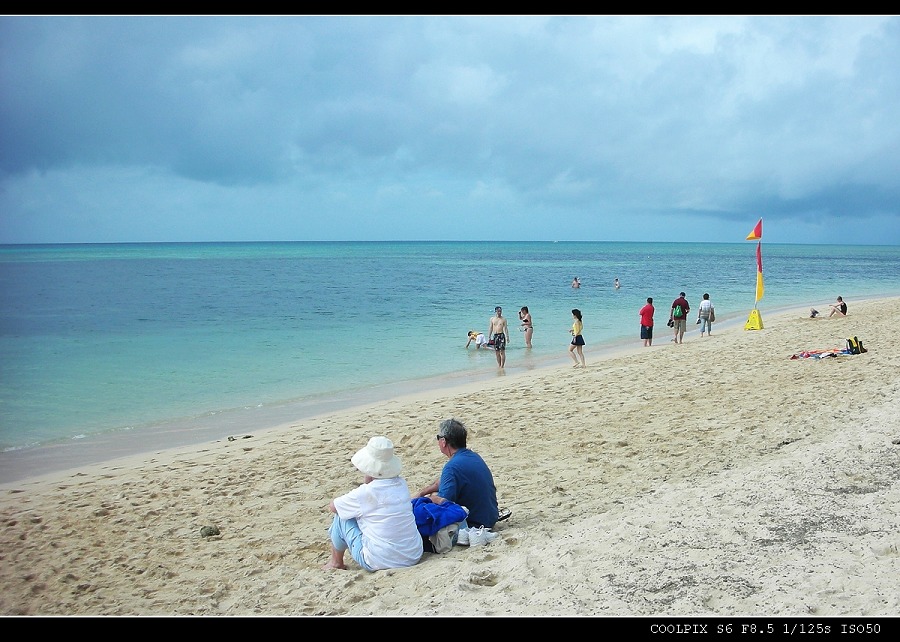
(127, 347)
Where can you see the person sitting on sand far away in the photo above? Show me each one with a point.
(838, 308)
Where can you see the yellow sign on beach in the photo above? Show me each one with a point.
(754, 322)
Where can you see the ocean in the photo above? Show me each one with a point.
(113, 349)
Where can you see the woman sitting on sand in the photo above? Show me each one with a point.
(838, 308)
(375, 521)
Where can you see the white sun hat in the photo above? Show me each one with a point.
(377, 459)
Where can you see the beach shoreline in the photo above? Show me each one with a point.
(87, 450)
(716, 477)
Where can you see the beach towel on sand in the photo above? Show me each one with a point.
(853, 346)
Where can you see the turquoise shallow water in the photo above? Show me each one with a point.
(152, 345)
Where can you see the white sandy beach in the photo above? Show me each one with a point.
(715, 478)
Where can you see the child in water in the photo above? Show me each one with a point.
(478, 338)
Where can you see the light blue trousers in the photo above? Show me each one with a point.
(346, 534)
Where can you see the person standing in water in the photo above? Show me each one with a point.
(576, 348)
(498, 331)
(527, 326)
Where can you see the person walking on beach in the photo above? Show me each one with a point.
(576, 347)
(646, 315)
(678, 315)
(527, 326)
(706, 315)
(465, 478)
(498, 331)
(375, 521)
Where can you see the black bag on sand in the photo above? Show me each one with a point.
(855, 346)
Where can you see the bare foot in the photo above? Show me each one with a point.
(332, 565)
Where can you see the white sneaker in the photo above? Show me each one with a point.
(462, 537)
(476, 536)
(481, 536)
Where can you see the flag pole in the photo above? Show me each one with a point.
(754, 321)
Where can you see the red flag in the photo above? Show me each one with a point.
(756, 234)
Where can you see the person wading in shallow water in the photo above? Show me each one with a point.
(498, 331)
(527, 325)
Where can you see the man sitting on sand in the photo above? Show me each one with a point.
(465, 478)
(375, 520)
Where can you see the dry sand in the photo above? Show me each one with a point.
(719, 477)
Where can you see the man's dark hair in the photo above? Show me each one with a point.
(454, 432)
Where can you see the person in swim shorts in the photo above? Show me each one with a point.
(646, 315)
(498, 331)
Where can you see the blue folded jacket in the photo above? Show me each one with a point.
(431, 517)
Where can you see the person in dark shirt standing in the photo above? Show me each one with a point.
(678, 316)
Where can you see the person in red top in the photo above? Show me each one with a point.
(680, 322)
(646, 314)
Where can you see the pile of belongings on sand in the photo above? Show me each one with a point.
(854, 346)
(821, 354)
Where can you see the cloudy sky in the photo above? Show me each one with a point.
(641, 128)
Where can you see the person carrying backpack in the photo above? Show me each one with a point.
(678, 316)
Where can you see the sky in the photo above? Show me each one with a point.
(594, 128)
